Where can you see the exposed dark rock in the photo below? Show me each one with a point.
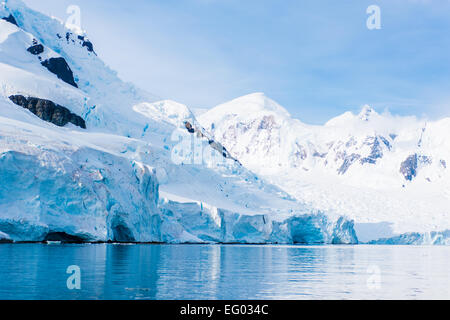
(36, 49)
(408, 167)
(221, 149)
(62, 70)
(299, 155)
(11, 19)
(443, 164)
(348, 161)
(86, 43)
(215, 145)
(89, 46)
(376, 151)
(49, 111)
(300, 152)
(267, 123)
(386, 142)
(189, 127)
(319, 155)
(425, 160)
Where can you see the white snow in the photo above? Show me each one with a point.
(351, 165)
(104, 183)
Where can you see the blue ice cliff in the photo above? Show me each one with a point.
(86, 157)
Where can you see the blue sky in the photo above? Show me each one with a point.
(315, 57)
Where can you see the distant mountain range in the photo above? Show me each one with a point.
(388, 173)
(86, 157)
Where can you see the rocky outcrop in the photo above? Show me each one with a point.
(57, 66)
(87, 44)
(61, 69)
(189, 127)
(78, 39)
(348, 161)
(49, 111)
(214, 144)
(11, 19)
(36, 49)
(376, 151)
(408, 168)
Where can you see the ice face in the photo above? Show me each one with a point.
(197, 223)
(416, 238)
(83, 193)
(104, 183)
(88, 195)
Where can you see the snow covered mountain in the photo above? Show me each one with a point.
(87, 157)
(388, 173)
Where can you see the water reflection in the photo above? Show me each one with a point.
(35, 271)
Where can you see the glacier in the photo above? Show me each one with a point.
(213, 225)
(416, 238)
(59, 187)
(115, 178)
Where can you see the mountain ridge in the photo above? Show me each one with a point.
(348, 163)
(120, 176)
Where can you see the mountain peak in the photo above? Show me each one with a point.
(366, 113)
(256, 97)
(250, 105)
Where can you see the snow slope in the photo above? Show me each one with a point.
(388, 173)
(143, 170)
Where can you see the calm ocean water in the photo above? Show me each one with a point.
(38, 271)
